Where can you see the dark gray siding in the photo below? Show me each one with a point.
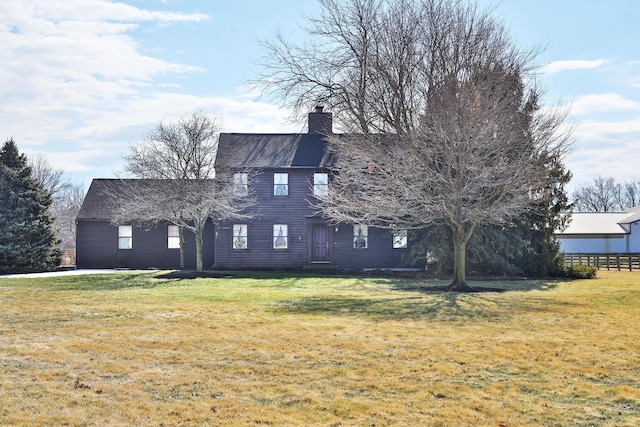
(380, 252)
(296, 211)
(292, 210)
(97, 247)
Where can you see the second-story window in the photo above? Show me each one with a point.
(280, 184)
(240, 184)
(320, 183)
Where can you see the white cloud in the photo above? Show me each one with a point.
(558, 66)
(76, 161)
(629, 129)
(90, 10)
(75, 80)
(64, 60)
(605, 148)
(603, 102)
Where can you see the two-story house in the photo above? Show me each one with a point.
(288, 173)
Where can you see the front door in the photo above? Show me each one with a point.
(320, 243)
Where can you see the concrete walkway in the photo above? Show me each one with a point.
(55, 274)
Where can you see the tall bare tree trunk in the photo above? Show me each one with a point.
(199, 233)
(460, 239)
(181, 237)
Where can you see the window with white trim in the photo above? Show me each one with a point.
(125, 237)
(320, 184)
(173, 237)
(360, 236)
(280, 184)
(240, 236)
(400, 239)
(240, 184)
(280, 236)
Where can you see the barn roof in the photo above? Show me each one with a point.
(599, 223)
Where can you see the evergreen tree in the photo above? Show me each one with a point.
(28, 239)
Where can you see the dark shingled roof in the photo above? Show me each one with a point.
(243, 150)
(99, 203)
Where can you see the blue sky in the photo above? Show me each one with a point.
(81, 80)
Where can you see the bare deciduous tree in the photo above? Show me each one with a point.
(185, 149)
(187, 203)
(65, 207)
(177, 182)
(606, 195)
(50, 178)
(443, 112)
(66, 198)
(631, 194)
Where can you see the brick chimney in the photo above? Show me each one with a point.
(320, 122)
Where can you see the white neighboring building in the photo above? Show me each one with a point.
(601, 233)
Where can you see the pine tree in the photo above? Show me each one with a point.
(28, 239)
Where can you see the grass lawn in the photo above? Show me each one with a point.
(268, 349)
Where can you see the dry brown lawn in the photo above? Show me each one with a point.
(128, 349)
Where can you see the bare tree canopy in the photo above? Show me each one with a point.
(607, 195)
(50, 178)
(373, 63)
(67, 197)
(177, 182)
(182, 150)
(65, 207)
(442, 108)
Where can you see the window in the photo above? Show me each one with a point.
(399, 239)
(280, 236)
(320, 182)
(173, 237)
(239, 236)
(280, 184)
(360, 236)
(125, 237)
(240, 184)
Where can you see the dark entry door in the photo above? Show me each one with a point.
(320, 244)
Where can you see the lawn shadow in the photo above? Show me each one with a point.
(402, 299)
(475, 287)
(112, 282)
(193, 274)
